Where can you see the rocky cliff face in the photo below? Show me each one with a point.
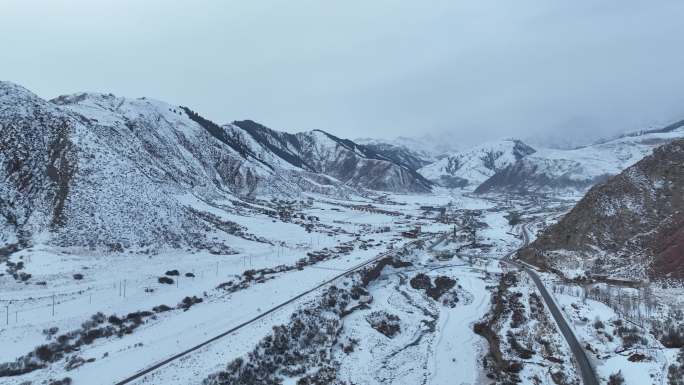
(38, 161)
(631, 225)
(93, 170)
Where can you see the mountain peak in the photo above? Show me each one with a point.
(12, 93)
(7, 87)
(473, 166)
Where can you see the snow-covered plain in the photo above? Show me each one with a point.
(115, 283)
(435, 343)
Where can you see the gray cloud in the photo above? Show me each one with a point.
(476, 69)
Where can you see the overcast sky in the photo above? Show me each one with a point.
(476, 69)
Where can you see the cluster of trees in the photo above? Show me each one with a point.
(616, 378)
(301, 348)
(638, 306)
(675, 372)
(514, 218)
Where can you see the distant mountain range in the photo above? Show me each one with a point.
(401, 154)
(471, 167)
(428, 147)
(550, 170)
(97, 170)
(512, 166)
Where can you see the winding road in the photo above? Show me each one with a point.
(586, 369)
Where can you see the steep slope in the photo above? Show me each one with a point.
(37, 159)
(97, 171)
(632, 225)
(573, 170)
(275, 147)
(322, 153)
(167, 142)
(471, 167)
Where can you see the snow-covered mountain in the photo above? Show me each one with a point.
(469, 168)
(632, 225)
(323, 153)
(428, 147)
(407, 151)
(580, 168)
(96, 170)
(93, 170)
(401, 154)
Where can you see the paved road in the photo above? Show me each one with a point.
(586, 370)
(158, 365)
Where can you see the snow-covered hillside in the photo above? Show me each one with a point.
(413, 154)
(95, 170)
(323, 153)
(141, 243)
(469, 168)
(629, 226)
(580, 168)
(428, 147)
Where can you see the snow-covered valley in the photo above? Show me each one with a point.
(435, 342)
(141, 243)
(398, 332)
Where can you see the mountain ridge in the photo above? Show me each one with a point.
(94, 170)
(575, 170)
(321, 152)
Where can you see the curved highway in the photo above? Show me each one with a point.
(586, 370)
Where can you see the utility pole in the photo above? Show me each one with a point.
(124, 288)
(53, 305)
(7, 308)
